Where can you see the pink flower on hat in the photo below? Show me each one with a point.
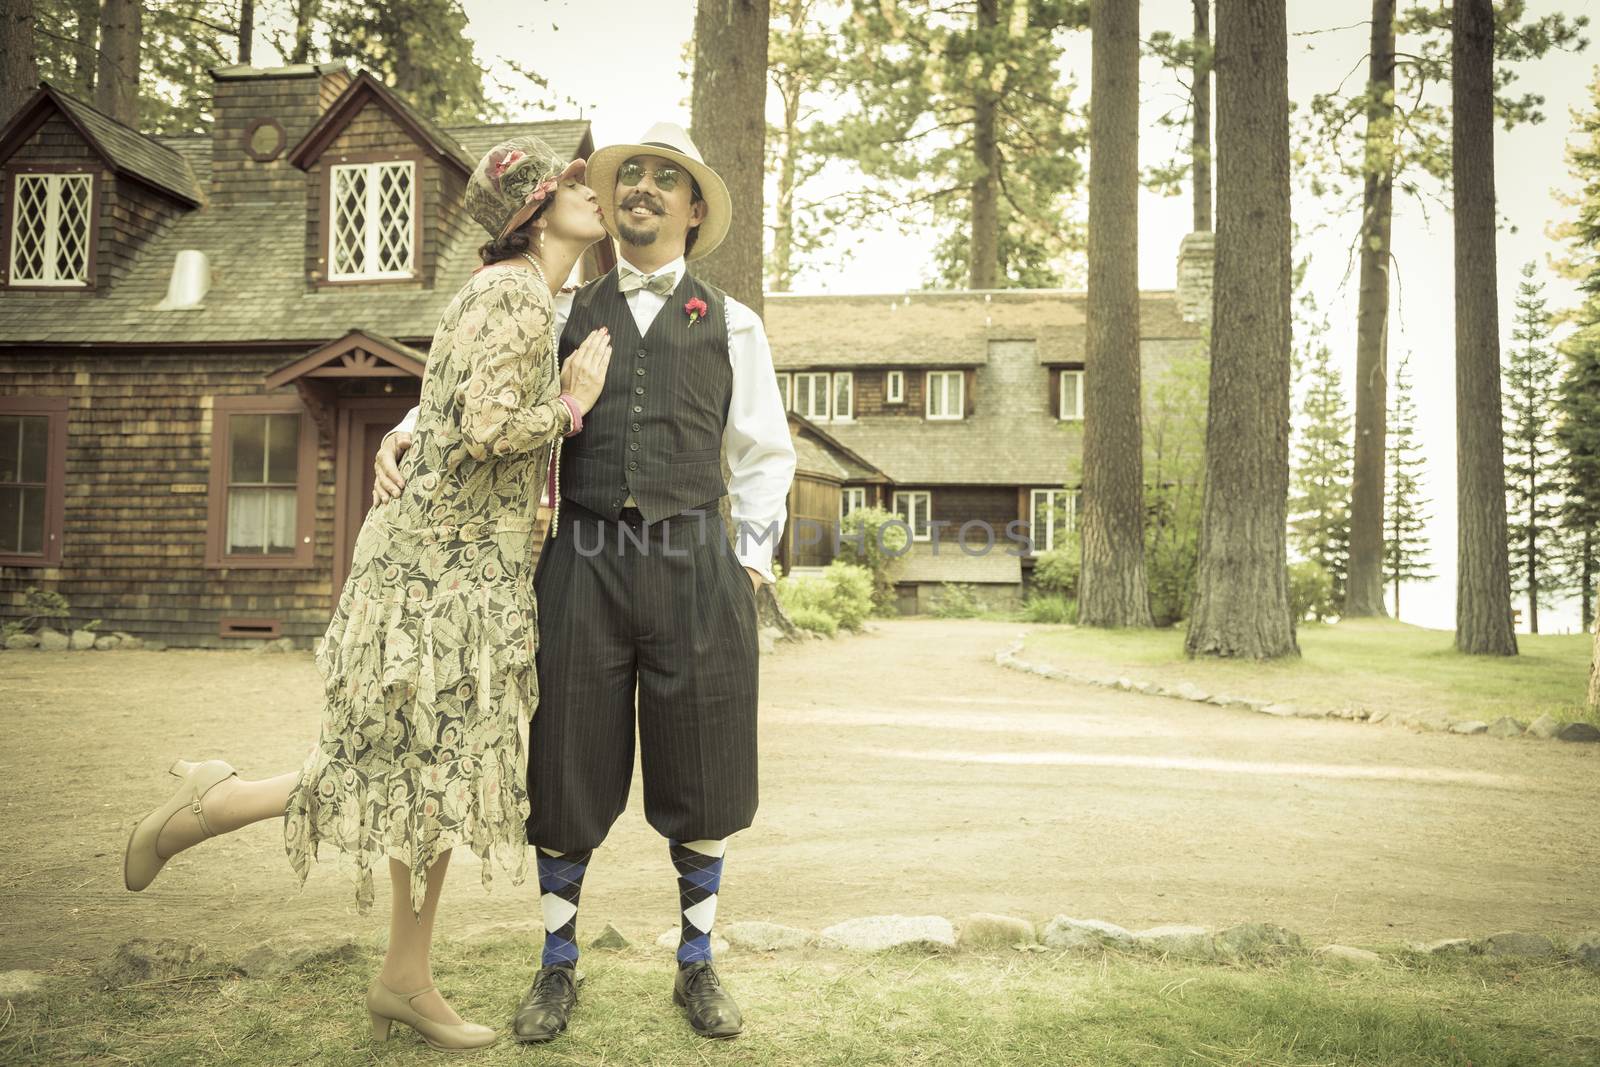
(499, 164)
(544, 189)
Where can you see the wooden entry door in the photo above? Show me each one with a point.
(362, 424)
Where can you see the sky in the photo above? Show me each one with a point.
(624, 81)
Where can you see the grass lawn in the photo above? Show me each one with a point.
(892, 1009)
(1363, 663)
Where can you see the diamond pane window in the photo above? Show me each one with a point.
(50, 229)
(373, 233)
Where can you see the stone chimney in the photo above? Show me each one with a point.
(260, 113)
(1197, 254)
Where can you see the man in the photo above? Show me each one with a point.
(637, 589)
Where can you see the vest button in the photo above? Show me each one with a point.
(637, 409)
(634, 447)
(640, 372)
(636, 425)
(641, 353)
(639, 390)
(633, 466)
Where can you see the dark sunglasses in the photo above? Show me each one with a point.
(666, 178)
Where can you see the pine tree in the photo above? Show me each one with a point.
(958, 114)
(1405, 548)
(1578, 424)
(1532, 464)
(1577, 433)
(1319, 504)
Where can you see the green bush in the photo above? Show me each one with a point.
(1056, 571)
(957, 602)
(1050, 608)
(814, 619)
(843, 594)
(850, 588)
(879, 550)
(1310, 591)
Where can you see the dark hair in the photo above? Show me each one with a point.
(514, 243)
(695, 197)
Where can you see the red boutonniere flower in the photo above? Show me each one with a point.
(695, 309)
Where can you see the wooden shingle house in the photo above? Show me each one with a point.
(203, 338)
(957, 408)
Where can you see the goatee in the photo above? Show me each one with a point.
(636, 237)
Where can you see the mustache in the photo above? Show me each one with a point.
(633, 200)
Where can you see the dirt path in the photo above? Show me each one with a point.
(902, 772)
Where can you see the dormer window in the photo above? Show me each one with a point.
(373, 212)
(50, 217)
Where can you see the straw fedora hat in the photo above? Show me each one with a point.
(669, 141)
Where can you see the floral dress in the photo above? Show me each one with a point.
(428, 664)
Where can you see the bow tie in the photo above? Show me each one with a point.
(660, 284)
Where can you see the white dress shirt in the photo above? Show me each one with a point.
(761, 459)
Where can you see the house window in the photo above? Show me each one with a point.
(263, 483)
(916, 508)
(844, 396)
(851, 498)
(1072, 394)
(894, 388)
(373, 232)
(945, 394)
(50, 216)
(33, 468)
(1051, 515)
(786, 390)
(811, 395)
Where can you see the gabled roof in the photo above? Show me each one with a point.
(932, 329)
(358, 354)
(821, 453)
(124, 149)
(367, 89)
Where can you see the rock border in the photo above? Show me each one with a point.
(144, 960)
(1545, 726)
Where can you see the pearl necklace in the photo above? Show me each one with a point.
(554, 465)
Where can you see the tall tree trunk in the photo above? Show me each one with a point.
(1586, 579)
(1363, 591)
(305, 21)
(783, 231)
(1111, 587)
(728, 112)
(1242, 599)
(247, 29)
(1533, 535)
(86, 45)
(19, 72)
(117, 82)
(983, 270)
(1483, 581)
(1200, 139)
(1593, 696)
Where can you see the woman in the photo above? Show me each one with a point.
(428, 662)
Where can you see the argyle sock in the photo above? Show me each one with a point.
(560, 882)
(699, 866)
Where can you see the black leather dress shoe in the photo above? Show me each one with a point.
(543, 1013)
(708, 1007)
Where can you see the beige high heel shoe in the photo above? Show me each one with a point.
(140, 861)
(385, 1006)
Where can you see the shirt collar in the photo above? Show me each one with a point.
(675, 268)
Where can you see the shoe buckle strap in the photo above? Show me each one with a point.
(200, 817)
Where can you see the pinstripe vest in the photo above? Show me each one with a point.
(656, 431)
